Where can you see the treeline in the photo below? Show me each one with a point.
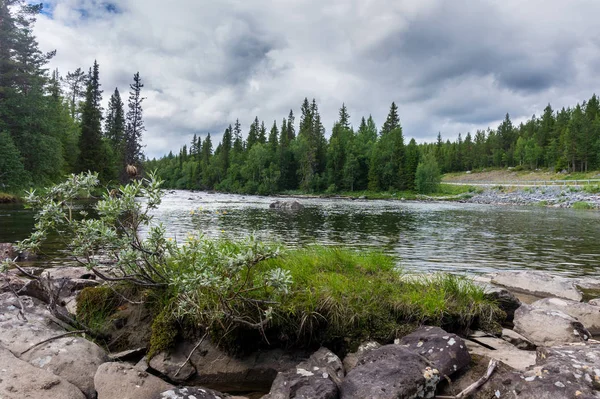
(50, 125)
(368, 158)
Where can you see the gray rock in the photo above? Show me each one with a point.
(119, 380)
(319, 377)
(548, 327)
(517, 340)
(506, 300)
(220, 371)
(588, 315)
(7, 251)
(287, 205)
(538, 284)
(447, 352)
(130, 354)
(167, 364)
(390, 372)
(496, 348)
(191, 393)
(594, 302)
(561, 373)
(19, 379)
(12, 283)
(351, 359)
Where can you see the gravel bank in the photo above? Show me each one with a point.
(557, 197)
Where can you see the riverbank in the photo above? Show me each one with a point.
(6, 198)
(587, 197)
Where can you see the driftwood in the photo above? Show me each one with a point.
(191, 353)
(474, 386)
(52, 339)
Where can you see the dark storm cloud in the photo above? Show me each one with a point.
(451, 66)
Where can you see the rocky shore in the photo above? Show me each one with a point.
(545, 350)
(550, 196)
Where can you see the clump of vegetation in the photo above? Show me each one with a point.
(428, 175)
(592, 188)
(7, 198)
(582, 205)
(246, 292)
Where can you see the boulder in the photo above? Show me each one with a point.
(73, 358)
(517, 340)
(319, 377)
(447, 352)
(191, 393)
(119, 380)
(351, 359)
(287, 205)
(588, 315)
(215, 369)
(538, 284)
(390, 372)
(495, 348)
(594, 302)
(167, 364)
(548, 327)
(564, 372)
(506, 300)
(19, 379)
(7, 251)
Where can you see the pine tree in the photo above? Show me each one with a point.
(253, 134)
(114, 125)
(135, 123)
(273, 138)
(392, 122)
(75, 82)
(92, 156)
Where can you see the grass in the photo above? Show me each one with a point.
(582, 205)
(8, 198)
(340, 298)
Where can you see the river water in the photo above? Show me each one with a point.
(431, 236)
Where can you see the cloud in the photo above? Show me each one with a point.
(450, 66)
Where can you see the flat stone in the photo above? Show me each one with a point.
(539, 284)
(594, 302)
(517, 340)
(587, 314)
(119, 380)
(130, 354)
(168, 364)
(19, 379)
(548, 327)
(501, 350)
(351, 359)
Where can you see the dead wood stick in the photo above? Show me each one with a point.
(191, 353)
(53, 338)
(471, 388)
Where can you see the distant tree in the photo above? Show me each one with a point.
(428, 177)
(12, 171)
(114, 124)
(135, 123)
(75, 83)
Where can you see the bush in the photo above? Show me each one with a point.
(582, 205)
(428, 176)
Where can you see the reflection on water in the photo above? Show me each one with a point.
(422, 236)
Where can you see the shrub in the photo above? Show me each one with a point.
(428, 176)
(582, 205)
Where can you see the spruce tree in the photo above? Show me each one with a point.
(135, 123)
(114, 125)
(92, 156)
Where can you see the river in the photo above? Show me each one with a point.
(422, 236)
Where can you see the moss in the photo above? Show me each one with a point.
(164, 333)
(95, 305)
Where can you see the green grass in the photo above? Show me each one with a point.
(341, 298)
(582, 205)
(592, 188)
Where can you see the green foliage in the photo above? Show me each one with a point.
(582, 205)
(164, 333)
(95, 305)
(12, 171)
(427, 176)
(592, 188)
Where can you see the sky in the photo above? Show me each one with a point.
(451, 66)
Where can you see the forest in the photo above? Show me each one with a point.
(52, 125)
(279, 159)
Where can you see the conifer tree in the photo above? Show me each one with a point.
(135, 123)
(114, 125)
(92, 154)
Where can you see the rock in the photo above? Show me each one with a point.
(561, 373)
(72, 358)
(119, 380)
(548, 327)
(142, 364)
(594, 302)
(168, 364)
(506, 300)
(287, 205)
(319, 377)
(447, 352)
(391, 371)
(351, 359)
(11, 283)
(588, 315)
(34, 271)
(517, 340)
(19, 379)
(217, 370)
(131, 354)
(496, 348)
(75, 359)
(191, 393)
(538, 284)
